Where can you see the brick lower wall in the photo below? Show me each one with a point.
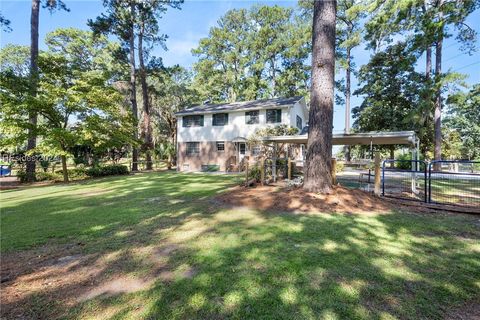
(208, 156)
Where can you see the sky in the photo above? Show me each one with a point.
(187, 26)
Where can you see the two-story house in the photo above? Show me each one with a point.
(213, 136)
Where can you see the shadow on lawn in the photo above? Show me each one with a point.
(205, 261)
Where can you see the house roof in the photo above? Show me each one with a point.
(240, 106)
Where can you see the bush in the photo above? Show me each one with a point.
(40, 176)
(44, 164)
(48, 176)
(339, 166)
(254, 173)
(74, 174)
(108, 170)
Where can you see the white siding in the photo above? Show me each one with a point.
(299, 109)
(236, 127)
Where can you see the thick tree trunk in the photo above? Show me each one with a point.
(64, 168)
(32, 118)
(348, 72)
(437, 152)
(133, 88)
(318, 175)
(146, 127)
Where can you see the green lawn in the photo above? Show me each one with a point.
(238, 262)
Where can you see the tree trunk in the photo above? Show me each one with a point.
(146, 127)
(392, 156)
(274, 74)
(428, 65)
(318, 175)
(32, 117)
(348, 72)
(64, 168)
(133, 88)
(438, 99)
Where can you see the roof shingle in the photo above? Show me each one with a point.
(255, 104)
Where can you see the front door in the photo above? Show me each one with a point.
(242, 147)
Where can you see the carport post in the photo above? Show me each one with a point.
(289, 168)
(262, 170)
(414, 171)
(334, 171)
(377, 189)
(274, 165)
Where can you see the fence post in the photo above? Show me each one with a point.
(430, 182)
(289, 169)
(334, 171)
(246, 174)
(262, 170)
(377, 173)
(425, 181)
(383, 176)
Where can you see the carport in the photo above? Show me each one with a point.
(406, 138)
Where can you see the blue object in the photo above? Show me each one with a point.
(5, 170)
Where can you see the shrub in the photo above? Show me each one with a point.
(77, 173)
(339, 166)
(48, 176)
(405, 162)
(44, 164)
(40, 176)
(254, 173)
(108, 170)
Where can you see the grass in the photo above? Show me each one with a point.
(244, 263)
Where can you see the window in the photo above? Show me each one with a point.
(220, 119)
(251, 117)
(193, 148)
(274, 115)
(256, 150)
(299, 123)
(243, 148)
(193, 121)
(220, 146)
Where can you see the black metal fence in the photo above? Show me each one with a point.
(406, 179)
(455, 182)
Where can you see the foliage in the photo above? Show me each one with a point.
(75, 101)
(339, 166)
(253, 53)
(392, 90)
(107, 170)
(254, 172)
(463, 119)
(171, 91)
(39, 176)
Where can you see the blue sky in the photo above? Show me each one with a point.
(185, 27)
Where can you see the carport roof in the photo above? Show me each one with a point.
(364, 138)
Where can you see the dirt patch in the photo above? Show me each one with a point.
(277, 197)
(468, 311)
(116, 286)
(45, 282)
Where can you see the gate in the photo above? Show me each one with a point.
(405, 179)
(454, 182)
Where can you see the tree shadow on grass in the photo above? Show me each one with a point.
(259, 265)
(204, 261)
